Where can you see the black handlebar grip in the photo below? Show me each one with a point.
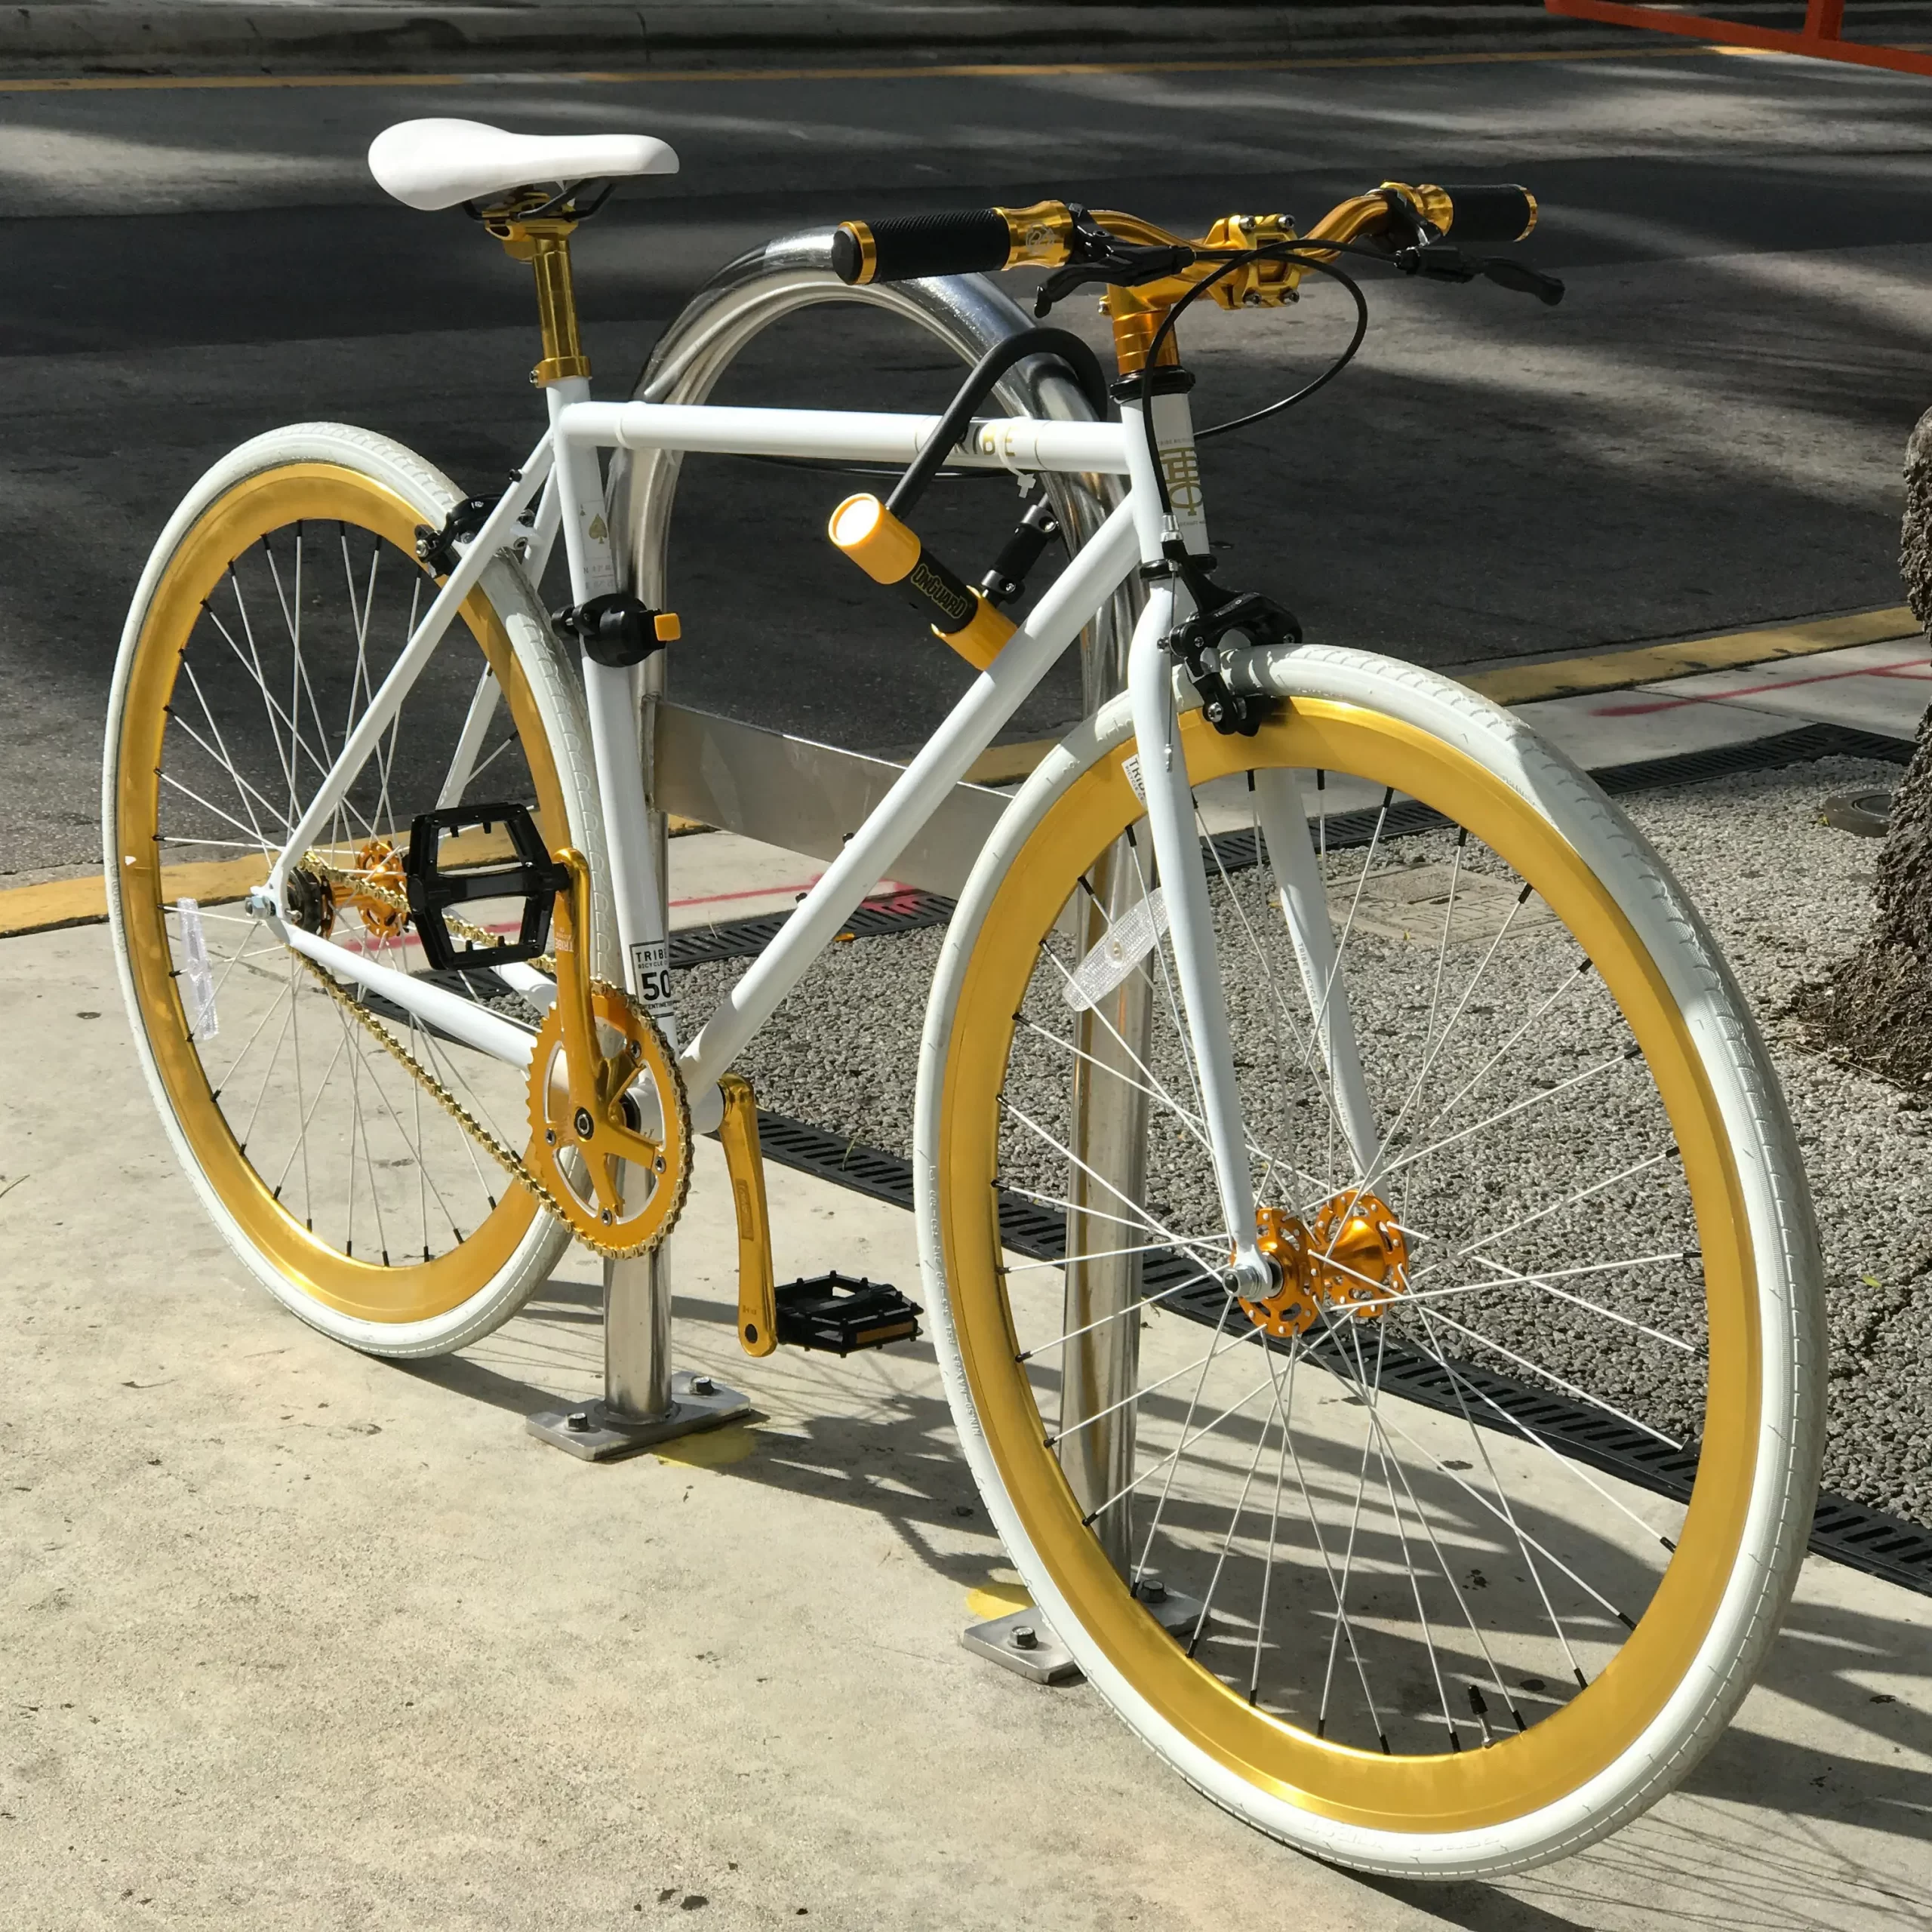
(903, 248)
(1491, 213)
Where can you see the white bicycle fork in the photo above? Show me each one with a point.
(1182, 867)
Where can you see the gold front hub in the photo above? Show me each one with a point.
(1352, 1257)
(1292, 1309)
(1361, 1258)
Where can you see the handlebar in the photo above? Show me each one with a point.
(977, 241)
(1483, 214)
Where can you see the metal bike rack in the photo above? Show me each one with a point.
(802, 784)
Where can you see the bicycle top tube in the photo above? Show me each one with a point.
(1022, 444)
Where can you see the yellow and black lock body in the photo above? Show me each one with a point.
(890, 553)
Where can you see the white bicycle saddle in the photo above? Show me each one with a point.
(431, 164)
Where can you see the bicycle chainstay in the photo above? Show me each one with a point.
(511, 1162)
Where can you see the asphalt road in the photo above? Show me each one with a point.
(1706, 435)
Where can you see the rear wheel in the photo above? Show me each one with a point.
(1420, 1527)
(272, 608)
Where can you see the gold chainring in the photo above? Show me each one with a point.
(620, 1189)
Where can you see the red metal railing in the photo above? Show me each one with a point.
(1819, 37)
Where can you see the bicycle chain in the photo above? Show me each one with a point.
(353, 886)
(511, 1162)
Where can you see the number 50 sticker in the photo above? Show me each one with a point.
(650, 964)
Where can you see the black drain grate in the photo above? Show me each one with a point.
(1344, 831)
(1848, 1533)
(1803, 746)
(792, 1143)
(744, 939)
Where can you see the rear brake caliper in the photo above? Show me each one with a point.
(436, 549)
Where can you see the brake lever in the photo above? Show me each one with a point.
(1519, 275)
(1443, 261)
(1134, 264)
(1097, 255)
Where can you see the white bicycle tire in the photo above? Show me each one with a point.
(558, 697)
(1789, 1277)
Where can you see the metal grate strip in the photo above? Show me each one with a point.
(744, 939)
(1848, 1533)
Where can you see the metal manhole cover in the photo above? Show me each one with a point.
(1412, 902)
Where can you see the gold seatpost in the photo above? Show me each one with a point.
(544, 242)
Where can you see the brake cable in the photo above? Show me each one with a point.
(1433, 259)
(1301, 394)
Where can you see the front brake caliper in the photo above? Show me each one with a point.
(1247, 615)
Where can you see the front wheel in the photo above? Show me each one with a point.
(1366, 1561)
(275, 604)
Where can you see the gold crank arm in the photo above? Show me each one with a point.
(596, 1083)
(758, 1300)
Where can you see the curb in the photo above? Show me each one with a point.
(96, 35)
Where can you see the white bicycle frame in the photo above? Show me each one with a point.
(562, 480)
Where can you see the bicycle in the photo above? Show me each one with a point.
(1422, 1096)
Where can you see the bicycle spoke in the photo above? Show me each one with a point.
(278, 669)
(1382, 1534)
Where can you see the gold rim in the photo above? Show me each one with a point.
(1434, 1793)
(296, 493)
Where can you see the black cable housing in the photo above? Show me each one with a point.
(1321, 381)
(1283, 251)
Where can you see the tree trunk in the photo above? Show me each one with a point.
(1876, 1005)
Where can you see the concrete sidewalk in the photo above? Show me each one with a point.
(297, 1638)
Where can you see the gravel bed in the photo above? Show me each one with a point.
(1784, 895)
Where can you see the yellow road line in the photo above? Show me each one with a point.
(80, 902)
(992, 1600)
(988, 70)
(83, 901)
(75, 902)
(1649, 664)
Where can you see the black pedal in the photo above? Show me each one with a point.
(531, 875)
(835, 1313)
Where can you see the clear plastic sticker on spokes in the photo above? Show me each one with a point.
(197, 978)
(1129, 941)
